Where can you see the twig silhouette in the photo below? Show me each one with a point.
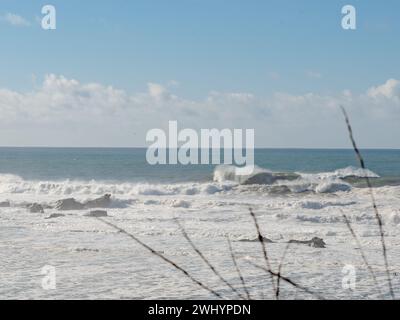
(263, 246)
(371, 192)
(291, 282)
(371, 271)
(280, 269)
(207, 262)
(161, 256)
(238, 269)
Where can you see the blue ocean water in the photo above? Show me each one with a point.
(130, 165)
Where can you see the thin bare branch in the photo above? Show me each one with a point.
(238, 269)
(263, 246)
(291, 282)
(371, 192)
(207, 262)
(280, 269)
(371, 271)
(154, 252)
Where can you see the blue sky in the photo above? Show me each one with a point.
(256, 47)
(207, 45)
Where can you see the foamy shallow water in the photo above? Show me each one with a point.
(94, 261)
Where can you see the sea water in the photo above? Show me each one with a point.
(299, 194)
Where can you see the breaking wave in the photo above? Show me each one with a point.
(224, 173)
(348, 172)
(11, 184)
(324, 182)
(225, 179)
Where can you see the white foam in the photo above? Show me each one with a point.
(180, 204)
(343, 173)
(216, 210)
(319, 218)
(124, 194)
(332, 186)
(224, 178)
(224, 173)
(317, 205)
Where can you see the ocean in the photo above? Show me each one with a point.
(297, 194)
(130, 165)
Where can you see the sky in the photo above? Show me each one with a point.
(112, 70)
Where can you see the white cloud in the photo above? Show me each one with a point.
(232, 97)
(15, 20)
(66, 112)
(390, 89)
(157, 91)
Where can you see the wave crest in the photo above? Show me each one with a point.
(224, 173)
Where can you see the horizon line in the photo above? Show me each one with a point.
(145, 147)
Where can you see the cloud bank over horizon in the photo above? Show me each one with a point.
(66, 112)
